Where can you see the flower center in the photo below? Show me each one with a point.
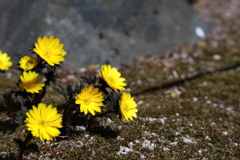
(87, 101)
(125, 108)
(47, 53)
(42, 122)
(30, 84)
(112, 80)
(30, 62)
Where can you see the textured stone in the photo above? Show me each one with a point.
(98, 31)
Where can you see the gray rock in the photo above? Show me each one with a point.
(97, 31)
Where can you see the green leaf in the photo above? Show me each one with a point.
(112, 101)
(89, 79)
(21, 115)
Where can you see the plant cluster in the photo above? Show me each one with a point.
(94, 96)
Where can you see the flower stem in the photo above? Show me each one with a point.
(66, 117)
(90, 122)
(38, 97)
(23, 148)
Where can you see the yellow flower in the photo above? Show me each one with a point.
(31, 82)
(5, 62)
(27, 63)
(50, 49)
(90, 100)
(112, 77)
(43, 121)
(127, 106)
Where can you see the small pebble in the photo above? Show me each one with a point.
(165, 149)
(109, 121)
(188, 140)
(225, 133)
(137, 141)
(173, 143)
(130, 145)
(139, 81)
(195, 99)
(207, 138)
(142, 156)
(210, 144)
(119, 127)
(148, 144)
(217, 57)
(208, 102)
(199, 151)
(119, 138)
(140, 102)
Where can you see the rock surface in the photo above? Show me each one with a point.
(99, 31)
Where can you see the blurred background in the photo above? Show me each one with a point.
(100, 31)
